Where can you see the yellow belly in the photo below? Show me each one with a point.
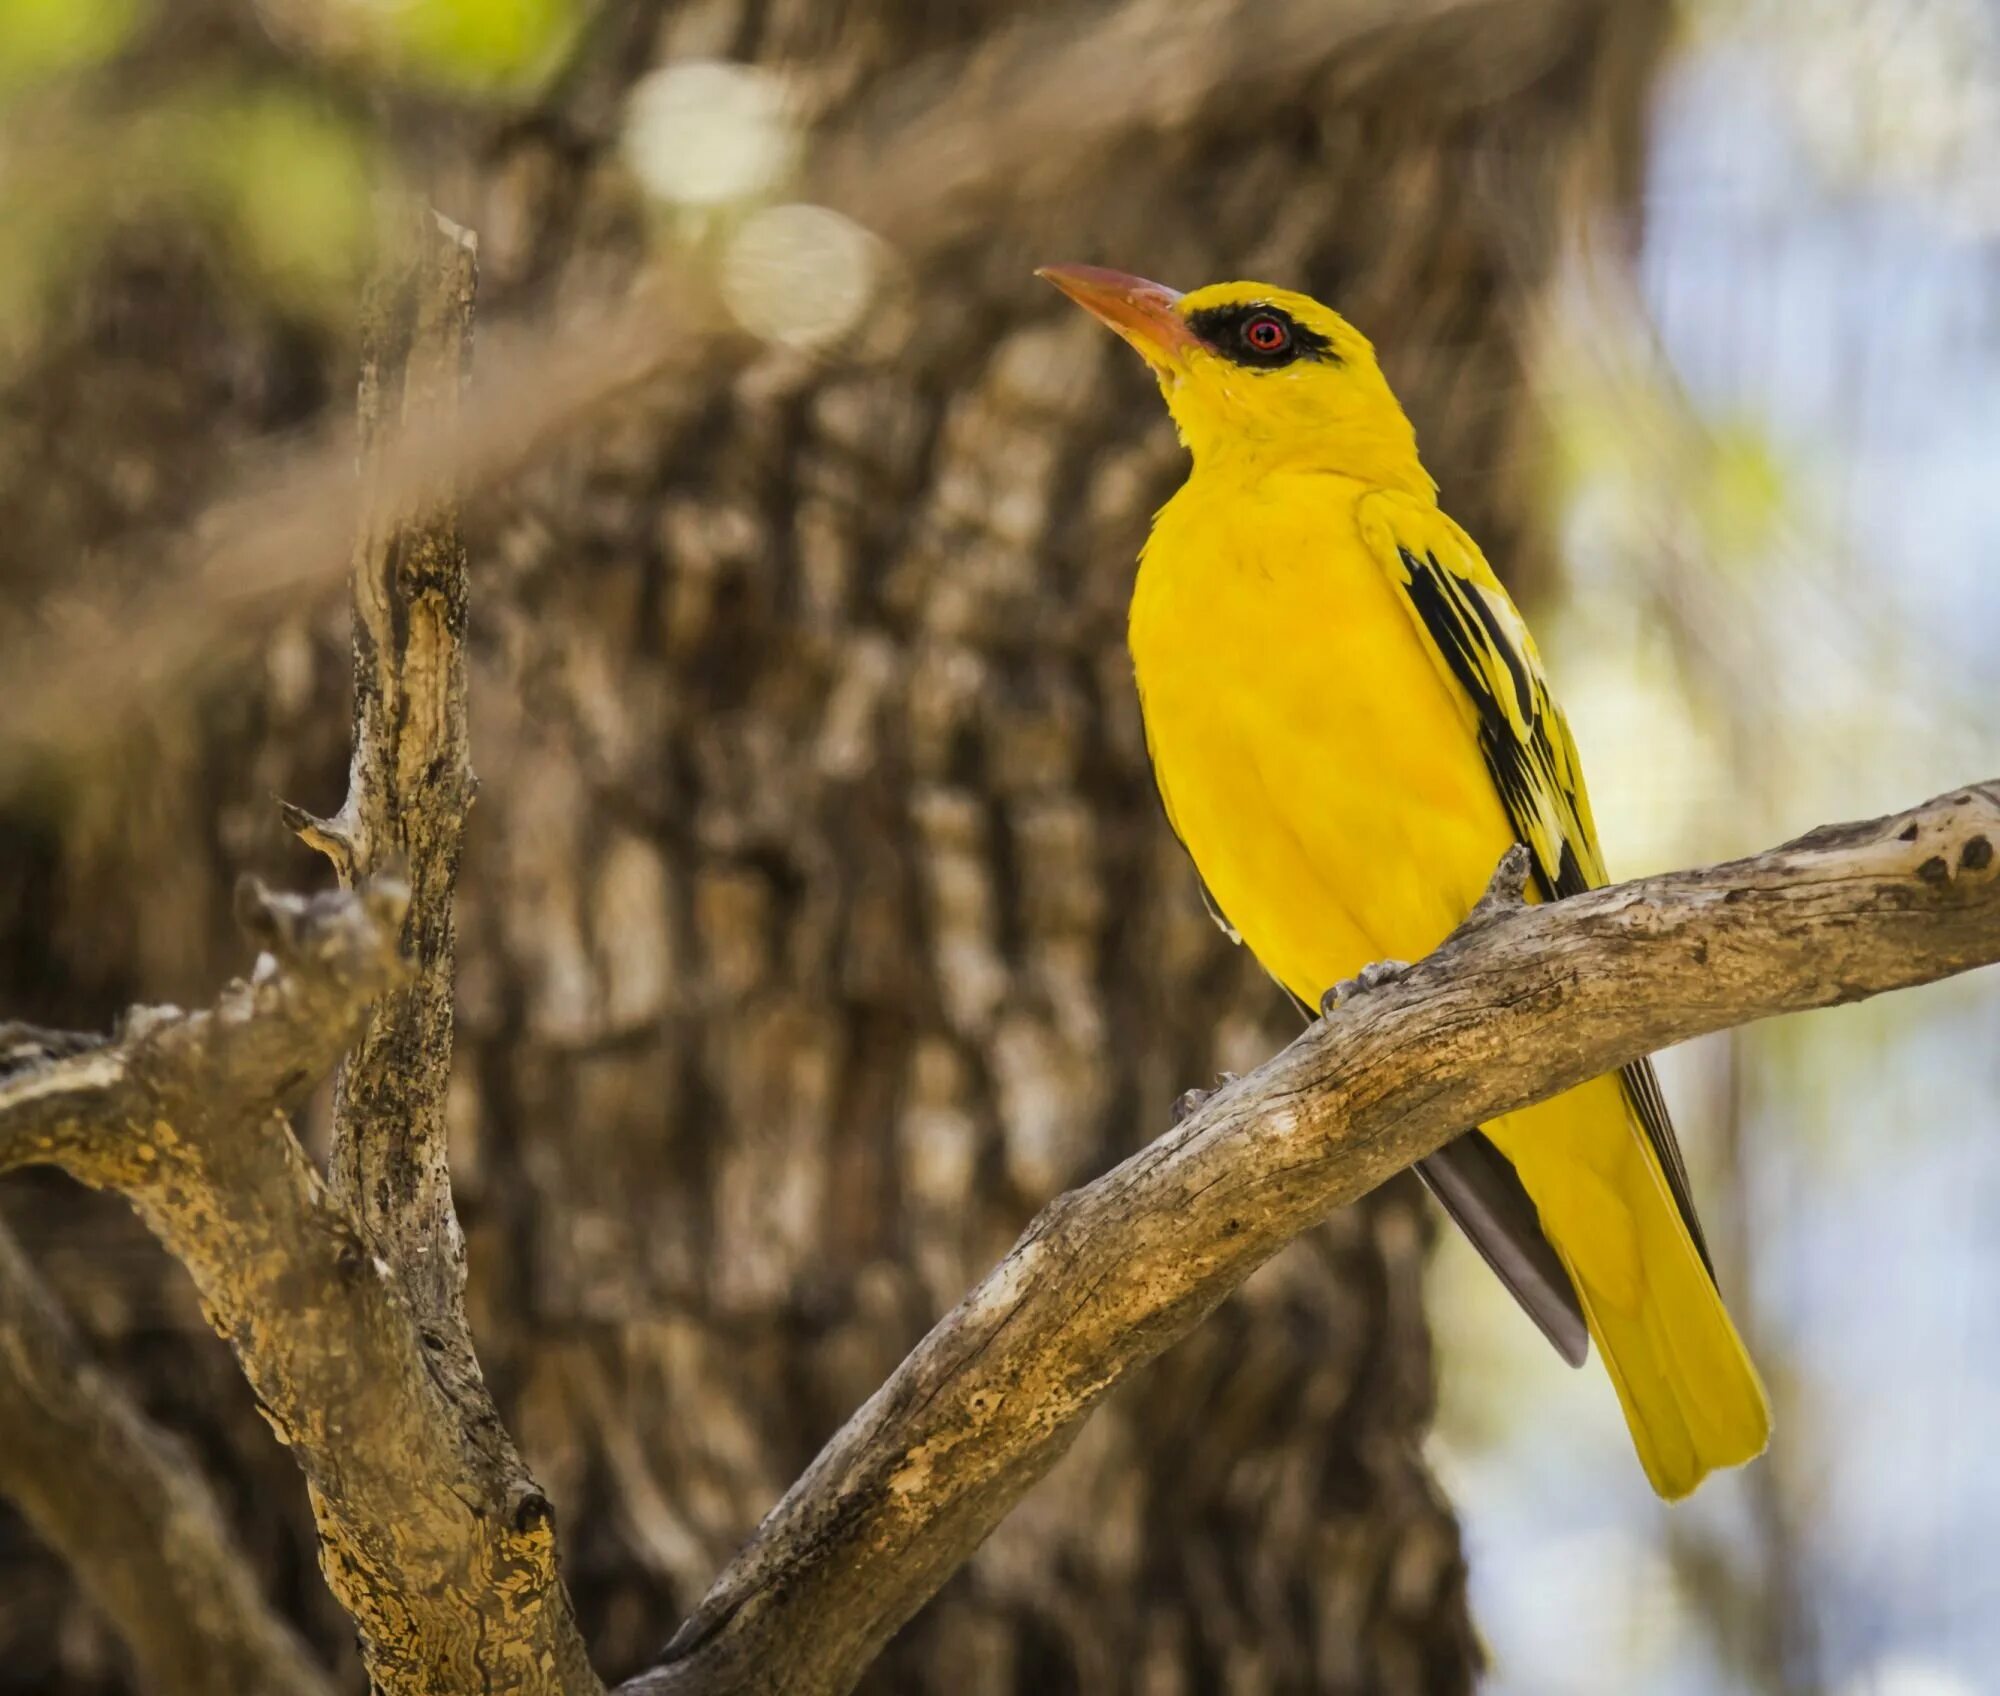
(1324, 779)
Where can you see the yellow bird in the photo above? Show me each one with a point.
(1349, 726)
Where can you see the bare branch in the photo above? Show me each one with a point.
(125, 1505)
(447, 1566)
(343, 1299)
(257, 1051)
(1514, 1008)
(410, 781)
(410, 786)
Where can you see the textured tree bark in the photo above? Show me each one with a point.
(410, 780)
(446, 1562)
(470, 1596)
(126, 1507)
(844, 712)
(817, 922)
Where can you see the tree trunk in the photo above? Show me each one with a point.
(818, 919)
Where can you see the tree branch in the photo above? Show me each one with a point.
(410, 786)
(255, 1052)
(126, 1506)
(449, 1581)
(410, 781)
(1518, 1006)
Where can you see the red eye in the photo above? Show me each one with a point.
(1267, 334)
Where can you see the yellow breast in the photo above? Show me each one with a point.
(1326, 783)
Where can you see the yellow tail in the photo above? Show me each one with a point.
(1691, 1395)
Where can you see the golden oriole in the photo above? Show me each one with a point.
(1349, 726)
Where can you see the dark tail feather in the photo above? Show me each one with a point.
(1476, 1185)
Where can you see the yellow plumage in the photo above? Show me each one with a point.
(1349, 726)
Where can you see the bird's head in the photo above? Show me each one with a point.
(1258, 375)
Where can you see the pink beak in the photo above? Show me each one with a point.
(1142, 312)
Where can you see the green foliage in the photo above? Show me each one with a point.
(475, 44)
(287, 186)
(278, 184)
(276, 178)
(40, 39)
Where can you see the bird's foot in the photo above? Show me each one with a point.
(1375, 975)
(1191, 1099)
(1507, 888)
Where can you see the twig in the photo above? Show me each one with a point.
(125, 1505)
(1519, 1006)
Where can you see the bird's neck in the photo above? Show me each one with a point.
(1379, 451)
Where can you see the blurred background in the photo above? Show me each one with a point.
(1772, 609)
(818, 922)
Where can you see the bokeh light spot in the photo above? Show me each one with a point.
(801, 275)
(706, 133)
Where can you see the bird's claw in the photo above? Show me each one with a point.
(1375, 975)
(1507, 888)
(1191, 1099)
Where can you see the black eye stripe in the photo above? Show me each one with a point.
(1226, 329)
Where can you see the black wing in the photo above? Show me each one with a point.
(1483, 645)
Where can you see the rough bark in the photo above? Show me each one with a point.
(844, 716)
(184, 1115)
(344, 1301)
(818, 922)
(410, 780)
(925, 157)
(125, 1505)
(492, 1612)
